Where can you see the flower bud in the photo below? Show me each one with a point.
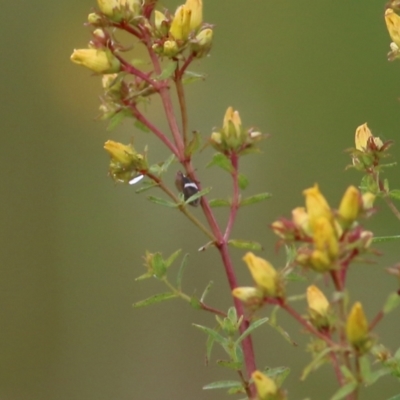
(266, 387)
(170, 48)
(100, 61)
(301, 220)
(316, 205)
(318, 307)
(94, 19)
(363, 133)
(350, 205)
(357, 328)
(263, 273)
(159, 20)
(202, 43)
(180, 27)
(117, 10)
(319, 260)
(247, 293)
(196, 9)
(393, 25)
(367, 199)
(324, 237)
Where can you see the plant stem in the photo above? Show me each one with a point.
(236, 196)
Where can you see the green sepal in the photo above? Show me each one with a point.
(172, 258)
(168, 71)
(162, 202)
(254, 325)
(219, 203)
(147, 275)
(198, 195)
(222, 385)
(243, 244)
(221, 161)
(193, 145)
(190, 77)
(255, 199)
(344, 391)
(157, 298)
(243, 181)
(181, 270)
(158, 266)
(368, 184)
(391, 303)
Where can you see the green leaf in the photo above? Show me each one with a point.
(396, 397)
(193, 145)
(195, 303)
(206, 290)
(198, 195)
(219, 203)
(180, 272)
(344, 391)
(314, 364)
(190, 77)
(278, 374)
(375, 375)
(255, 199)
(172, 258)
(162, 202)
(167, 72)
(230, 364)
(392, 302)
(146, 185)
(294, 277)
(385, 185)
(243, 244)
(214, 334)
(395, 194)
(250, 329)
(221, 161)
(117, 118)
(166, 164)
(157, 298)
(147, 275)
(155, 169)
(222, 385)
(381, 239)
(243, 181)
(209, 346)
(139, 125)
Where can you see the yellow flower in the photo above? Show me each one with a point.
(232, 122)
(320, 261)
(196, 8)
(266, 387)
(301, 219)
(247, 293)
(317, 302)
(263, 273)
(124, 154)
(350, 205)
(119, 9)
(316, 205)
(325, 238)
(393, 25)
(180, 27)
(170, 48)
(363, 133)
(357, 327)
(100, 61)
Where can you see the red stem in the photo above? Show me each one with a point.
(236, 194)
(376, 320)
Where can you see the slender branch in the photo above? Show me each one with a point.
(392, 207)
(376, 320)
(236, 196)
(183, 207)
(127, 67)
(182, 104)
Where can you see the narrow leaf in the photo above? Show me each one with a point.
(172, 258)
(167, 71)
(230, 364)
(294, 277)
(396, 397)
(243, 181)
(166, 164)
(194, 144)
(214, 334)
(375, 375)
(161, 201)
(219, 203)
(198, 195)
(147, 275)
(250, 329)
(243, 244)
(381, 239)
(206, 290)
(222, 385)
(117, 118)
(139, 125)
(209, 346)
(344, 391)
(255, 199)
(190, 77)
(146, 185)
(195, 303)
(157, 298)
(315, 363)
(395, 194)
(221, 161)
(279, 374)
(181, 270)
(392, 302)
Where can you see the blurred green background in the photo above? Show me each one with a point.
(306, 72)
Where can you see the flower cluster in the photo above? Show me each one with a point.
(329, 238)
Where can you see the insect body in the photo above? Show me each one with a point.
(187, 187)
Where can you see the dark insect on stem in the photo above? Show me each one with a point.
(187, 187)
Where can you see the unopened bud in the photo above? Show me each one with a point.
(100, 61)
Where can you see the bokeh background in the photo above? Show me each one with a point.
(306, 72)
